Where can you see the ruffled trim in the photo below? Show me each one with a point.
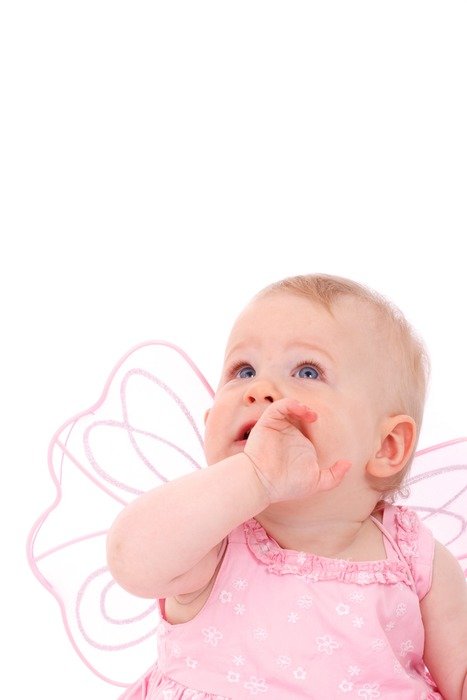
(407, 533)
(317, 568)
(161, 686)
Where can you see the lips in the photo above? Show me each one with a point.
(245, 431)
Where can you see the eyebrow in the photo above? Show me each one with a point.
(293, 346)
(237, 347)
(313, 348)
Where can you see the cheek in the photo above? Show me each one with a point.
(210, 448)
(214, 434)
(335, 435)
(215, 419)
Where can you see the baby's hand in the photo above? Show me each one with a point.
(284, 457)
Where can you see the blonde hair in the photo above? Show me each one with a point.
(405, 348)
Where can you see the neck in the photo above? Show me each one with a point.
(320, 525)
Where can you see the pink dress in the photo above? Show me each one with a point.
(286, 624)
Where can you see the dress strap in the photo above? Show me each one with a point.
(396, 549)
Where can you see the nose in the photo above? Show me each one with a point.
(260, 391)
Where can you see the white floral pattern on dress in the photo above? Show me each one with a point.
(345, 686)
(401, 609)
(305, 601)
(283, 661)
(406, 647)
(369, 691)
(212, 636)
(260, 634)
(342, 609)
(378, 644)
(239, 660)
(256, 685)
(175, 649)
(300, 673)
(327, 644)
(312, 577)
(240, 584)
(353, 670)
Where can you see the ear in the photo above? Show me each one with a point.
(206, 414)
(396, 445)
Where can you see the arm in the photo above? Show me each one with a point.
(444, 613)
(168, 540)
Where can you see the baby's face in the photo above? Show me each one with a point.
(284, 345)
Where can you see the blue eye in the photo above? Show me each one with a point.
(308, 372)
(246, 372)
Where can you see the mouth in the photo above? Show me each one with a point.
(244, 432)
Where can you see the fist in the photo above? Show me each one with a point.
(284, 456)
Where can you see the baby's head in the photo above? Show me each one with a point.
(342, 350)
(400, 358)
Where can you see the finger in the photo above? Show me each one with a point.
(294, 407)
(332, 477)
(306, 413)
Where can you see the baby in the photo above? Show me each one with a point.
(282, 569)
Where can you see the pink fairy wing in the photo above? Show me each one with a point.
(146, 428)
(437, 489)
(128, 442)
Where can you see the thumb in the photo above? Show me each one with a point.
(332, 477)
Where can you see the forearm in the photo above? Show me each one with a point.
(167, 531)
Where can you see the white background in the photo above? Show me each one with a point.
(160, 163)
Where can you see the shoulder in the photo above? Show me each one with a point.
(448, 578)
(444, 613)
